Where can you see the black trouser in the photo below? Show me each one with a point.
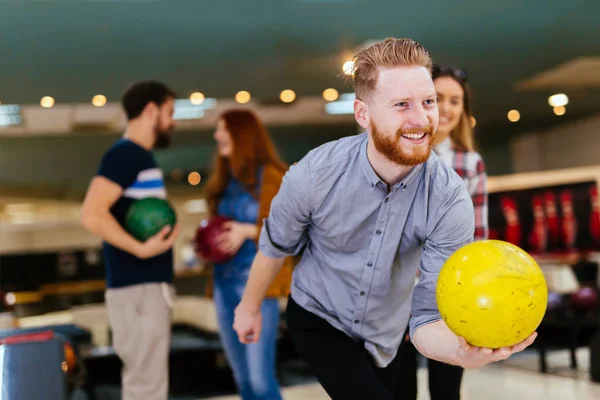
(444, 379)
(342, 365)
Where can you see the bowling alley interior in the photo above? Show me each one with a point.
(522, 79)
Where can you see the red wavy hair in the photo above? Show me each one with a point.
(252, 148)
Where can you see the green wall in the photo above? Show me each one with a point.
(498, 159)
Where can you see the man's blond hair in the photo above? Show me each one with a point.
(390, 52)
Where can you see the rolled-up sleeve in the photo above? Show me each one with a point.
(284, 230)
(452, 227)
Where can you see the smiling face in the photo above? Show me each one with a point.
(223, 138)
(401, 114)
(450, 99)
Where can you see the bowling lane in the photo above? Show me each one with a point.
(489, 383)
(500, 383)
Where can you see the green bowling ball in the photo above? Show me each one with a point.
(146, 217)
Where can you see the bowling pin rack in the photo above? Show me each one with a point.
(554, 180)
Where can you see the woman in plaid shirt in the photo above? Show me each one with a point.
(454, 140)
(453, 143)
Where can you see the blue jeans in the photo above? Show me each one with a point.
(253, 365)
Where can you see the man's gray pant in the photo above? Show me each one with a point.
(140, 319)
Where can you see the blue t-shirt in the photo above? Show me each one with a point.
(134, 169)
(240, 205)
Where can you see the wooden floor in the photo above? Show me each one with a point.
(497, 382)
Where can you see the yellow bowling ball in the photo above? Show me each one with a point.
(492, 293)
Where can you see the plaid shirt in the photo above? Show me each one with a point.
(469, 166)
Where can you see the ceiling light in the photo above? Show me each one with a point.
(197, 98)
(99, 100)
(348, 67)
(242, 97)
(560, 110)
(330, 94)
(47, 102)
(514, 115)
(558, 100)
(194, 178)
(287, 96)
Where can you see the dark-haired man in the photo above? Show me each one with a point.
(139, 295)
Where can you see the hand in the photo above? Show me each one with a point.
(159, 243)
(247, 324)
(475, 357)
(234, 236)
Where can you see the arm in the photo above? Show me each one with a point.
(479, 195)
(283, 234)
(437, 342)
(264, 269)
(429, 333)
(262, 273)
(251, 231)
(117, 171)
(450, 227)
(96, 216)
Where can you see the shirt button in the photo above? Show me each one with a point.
(372, 185)
(362, 293)
(356, 321)
(369, 264)
(403, 187)
(378, 232)
(387, 199)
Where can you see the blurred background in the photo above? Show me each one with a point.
(533, 67)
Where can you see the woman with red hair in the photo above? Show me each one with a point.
(246, 177)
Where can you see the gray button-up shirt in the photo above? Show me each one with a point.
(363, 243)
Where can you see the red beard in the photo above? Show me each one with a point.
(394, 152)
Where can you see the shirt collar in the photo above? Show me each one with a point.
(372, 176)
